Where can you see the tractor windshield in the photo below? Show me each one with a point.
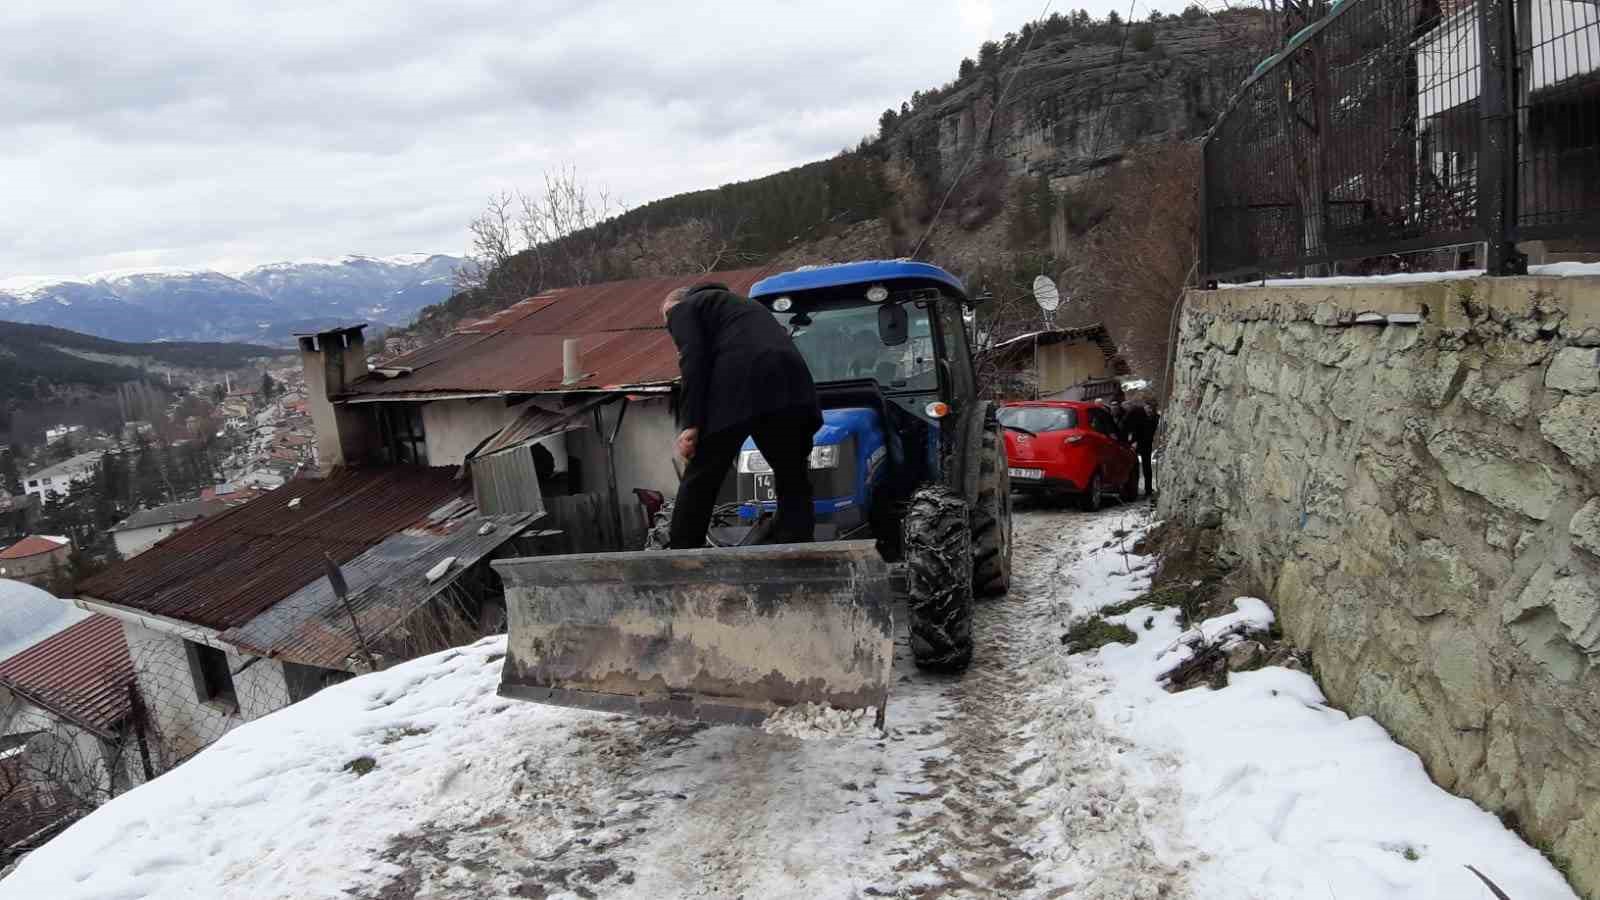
(842, 343)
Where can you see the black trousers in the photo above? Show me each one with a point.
(1144, 462)
(784, 439)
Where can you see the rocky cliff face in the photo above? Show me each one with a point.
(1078, 105)
(1423, 502)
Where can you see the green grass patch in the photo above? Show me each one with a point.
(394, 735)
(1092, 634)
(361, 765)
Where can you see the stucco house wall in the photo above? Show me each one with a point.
(185, 722)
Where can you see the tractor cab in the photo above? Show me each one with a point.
(888, 351)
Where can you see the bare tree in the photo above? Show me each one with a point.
(1133, 266)
(523, 243)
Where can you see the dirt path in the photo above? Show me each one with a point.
(999, 783)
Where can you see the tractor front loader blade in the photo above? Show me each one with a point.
(722, 635)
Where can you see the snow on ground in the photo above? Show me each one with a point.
(1036, 774)
(1285, 796)
(1550, 270)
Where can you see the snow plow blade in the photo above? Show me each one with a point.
(722, 635)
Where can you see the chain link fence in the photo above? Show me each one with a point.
(1391, 127)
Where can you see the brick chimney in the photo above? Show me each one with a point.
(332, 361)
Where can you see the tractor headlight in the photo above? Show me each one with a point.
(751, 462)
(825, 457)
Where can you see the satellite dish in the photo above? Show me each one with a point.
(1045, 293)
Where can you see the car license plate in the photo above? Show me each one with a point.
(765, 488)
(1027, 473)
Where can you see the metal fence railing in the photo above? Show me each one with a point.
(1396, 126)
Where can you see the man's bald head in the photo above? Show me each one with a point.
(673, 298)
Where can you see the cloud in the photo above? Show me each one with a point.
(231, 133)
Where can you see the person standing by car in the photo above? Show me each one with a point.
(742, 378)
(1139, 422)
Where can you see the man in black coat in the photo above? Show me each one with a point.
(742, 378)
(1139, 425)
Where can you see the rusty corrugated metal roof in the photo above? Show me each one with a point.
(229, 568)
(386, 584)
(81, 673)
(622, 342)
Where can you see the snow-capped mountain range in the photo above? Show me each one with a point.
(263, 305)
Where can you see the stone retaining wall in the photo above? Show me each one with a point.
(1423, 502)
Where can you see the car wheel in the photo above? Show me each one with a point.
(1094, 497)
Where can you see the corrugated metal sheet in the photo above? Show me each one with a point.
(618, 325)
(226, 569)
(536, 421)
(82, 673)
(506, 482)
(386, 584)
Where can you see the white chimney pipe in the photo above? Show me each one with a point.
(571, 373)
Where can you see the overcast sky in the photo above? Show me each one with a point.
(220, 134)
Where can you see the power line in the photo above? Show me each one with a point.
(1016, 69)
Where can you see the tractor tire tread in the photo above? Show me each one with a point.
(937, 544)
(991, 520)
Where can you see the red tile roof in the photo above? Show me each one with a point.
(618, 325)
(32, 545)
(227, 568)
(82, 673)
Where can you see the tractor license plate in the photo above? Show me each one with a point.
(765, 488)
(1027, 473)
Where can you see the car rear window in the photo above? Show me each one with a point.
(1038, 419)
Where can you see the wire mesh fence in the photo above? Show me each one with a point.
(1394, 127)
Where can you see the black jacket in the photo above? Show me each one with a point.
(738, 362)
(1139, 426)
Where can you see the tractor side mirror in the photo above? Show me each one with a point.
(893, 325)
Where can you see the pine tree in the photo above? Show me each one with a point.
(10, 474)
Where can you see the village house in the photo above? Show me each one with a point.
(59, 478)
(68, 740)
(35, 559)
(1058, 364)
(60, 432)
(138, 532)
(586, 373)
(235, 616)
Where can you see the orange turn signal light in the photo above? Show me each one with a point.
(937, 409)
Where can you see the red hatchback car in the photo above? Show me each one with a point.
(1068, 447)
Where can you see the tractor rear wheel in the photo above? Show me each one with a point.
(991, 520)
(937, 545)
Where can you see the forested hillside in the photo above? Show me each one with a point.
(45, 370)
(1043, 155)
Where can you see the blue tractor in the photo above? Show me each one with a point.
(908, 454)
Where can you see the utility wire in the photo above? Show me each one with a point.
(1016, 69)
(1105, 107)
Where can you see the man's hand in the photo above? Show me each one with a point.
(686, 442)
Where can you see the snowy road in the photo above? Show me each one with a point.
(1034, 775)
(977, 789)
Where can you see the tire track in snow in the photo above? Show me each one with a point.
(997, 783)
(1031, 801)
